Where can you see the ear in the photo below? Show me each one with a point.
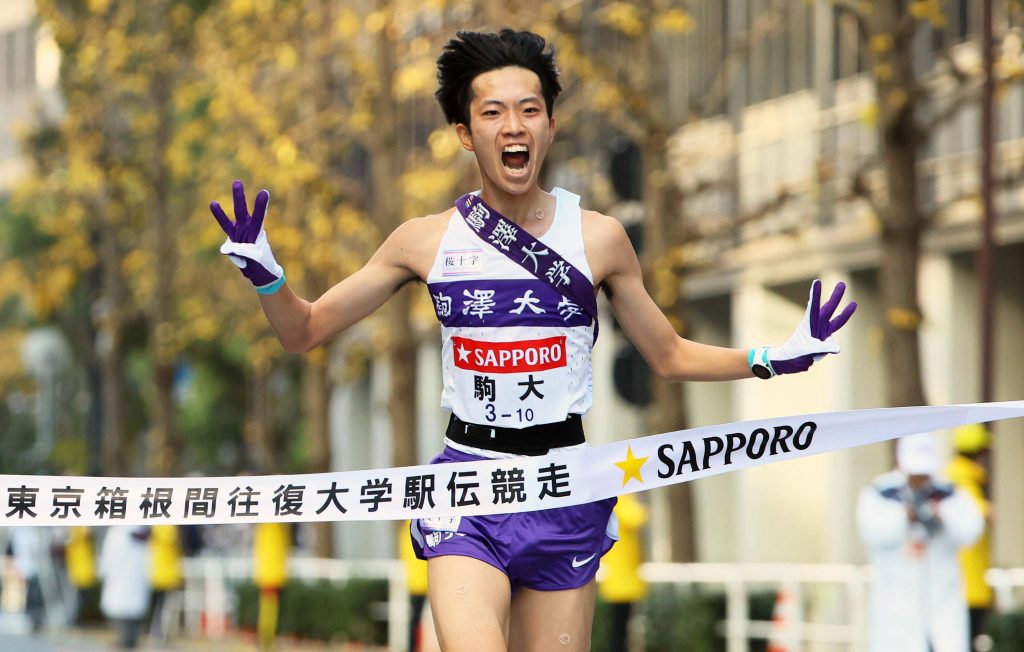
(551, 130)
(465, 136)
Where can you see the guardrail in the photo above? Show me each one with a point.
(209, 603)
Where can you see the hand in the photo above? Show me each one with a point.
(247, 245)
(812, 339)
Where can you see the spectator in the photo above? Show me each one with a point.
(166, 577)
(913, 524)
(124, 567)
(80, 559)
(271, 546)
(968, 470)
(416, 584)
(620, 583)
(25, 549)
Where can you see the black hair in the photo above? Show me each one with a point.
(473, 53)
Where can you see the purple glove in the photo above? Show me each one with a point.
(812, 339)
(247, 245)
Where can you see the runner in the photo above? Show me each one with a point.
(513, 273)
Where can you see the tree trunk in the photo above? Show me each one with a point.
(387, 206)
(667, 411)
(403, 367)
(112, 391)
(163, 444)
(315, 403)
(108, 317)
(262, 453)
(902, 219)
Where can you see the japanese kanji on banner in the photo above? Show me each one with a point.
(485, 487)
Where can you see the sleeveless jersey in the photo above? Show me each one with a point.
(514, 351)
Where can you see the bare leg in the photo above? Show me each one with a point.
(552, 620)
(470, 602)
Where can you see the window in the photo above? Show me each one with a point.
(18, 60)
(847, 53)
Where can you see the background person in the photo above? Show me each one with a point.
(167, 577)
(271, 546)
(26, 547)
(80, 560)
(124, 567)
(913, 524)
(968, 470)
(416, 585)
(619, 583)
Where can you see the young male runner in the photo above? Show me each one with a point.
(513, 274)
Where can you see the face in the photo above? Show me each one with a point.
(918, 481)
(509, 130)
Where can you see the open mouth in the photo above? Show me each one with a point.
(515, 157)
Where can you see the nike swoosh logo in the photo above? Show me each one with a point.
(576, 563)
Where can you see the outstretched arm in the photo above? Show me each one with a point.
(301, 325)
(669, 356)
(675, 358)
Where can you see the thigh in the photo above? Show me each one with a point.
(470, 604)
(552, 620)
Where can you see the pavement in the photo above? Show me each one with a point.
(103, 640)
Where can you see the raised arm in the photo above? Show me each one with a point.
(669, 356)
(675, 358)
(302, 325)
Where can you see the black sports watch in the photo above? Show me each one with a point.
(759, 363)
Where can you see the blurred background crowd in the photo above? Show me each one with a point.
(747, 145)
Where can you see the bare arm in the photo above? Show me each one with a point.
(301, 325)
(669, 356)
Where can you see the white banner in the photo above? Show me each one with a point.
(485, 487)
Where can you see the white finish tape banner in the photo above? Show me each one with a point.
(461, 489)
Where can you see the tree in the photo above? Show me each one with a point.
(910, 107)
(619, 54)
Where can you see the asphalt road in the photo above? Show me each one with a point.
(15, 643)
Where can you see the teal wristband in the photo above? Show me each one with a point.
(271, 288)
(759, 363)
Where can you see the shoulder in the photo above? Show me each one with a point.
(419, 233)
(414, 243)
(601, 226)
(604, 236)
(424, 227)
(607, 246)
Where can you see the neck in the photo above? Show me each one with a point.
(518, 208)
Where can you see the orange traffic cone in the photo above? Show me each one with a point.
(783, 634)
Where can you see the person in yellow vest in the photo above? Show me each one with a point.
(416, 584)
(166, 577)
(80, 560)
(968, 470)
(620, 584)
(271, 545)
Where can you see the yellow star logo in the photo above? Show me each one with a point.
(631, 467)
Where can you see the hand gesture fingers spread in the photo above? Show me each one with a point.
(241, 210)
(245, 227)
(813, 311)
(225, 222)
(843, 317)
(822, 325)
(259, 211)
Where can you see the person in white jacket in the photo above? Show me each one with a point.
(913, 523)
(124, 566)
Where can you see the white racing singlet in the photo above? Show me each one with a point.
(514, 351)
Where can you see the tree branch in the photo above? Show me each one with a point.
(851, 8)
(965, 94)
(860, 187)
(1006, 181)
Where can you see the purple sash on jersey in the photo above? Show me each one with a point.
(529, 253)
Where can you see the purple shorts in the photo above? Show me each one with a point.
(547, 550)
